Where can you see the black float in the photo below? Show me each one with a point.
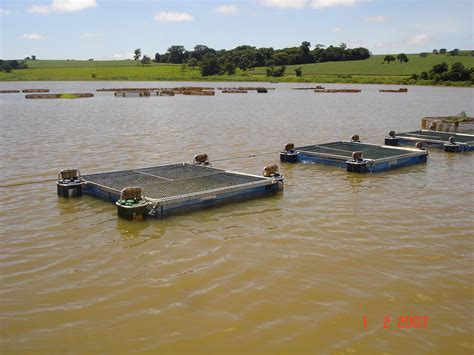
(69, 183)
(289, 154)
(357, 164)
(391, 139)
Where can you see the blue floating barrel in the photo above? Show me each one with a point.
(69, 183)
(131, 204)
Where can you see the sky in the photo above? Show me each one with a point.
(108, 29)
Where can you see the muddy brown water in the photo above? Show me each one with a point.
(295, 273)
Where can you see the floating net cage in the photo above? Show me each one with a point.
(345, 150)
(355, 156)
(169, 188)
(438, 136)
(449, 141)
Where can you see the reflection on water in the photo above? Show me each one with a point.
(294, 273)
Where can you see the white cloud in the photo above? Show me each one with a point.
(336, 29)
(62, 6)
(315, 4)
(293, 4)
(173, 17)
(91, 35)
(121, 56)
(417, 40)
(4, 12)
(33, 36)
(227, 9)
(39, 9)
(319, 4)
(376, 19)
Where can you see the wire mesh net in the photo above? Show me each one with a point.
(345, 150)
(440, 136)
(170, 181)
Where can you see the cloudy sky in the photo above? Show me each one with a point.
(109, 29)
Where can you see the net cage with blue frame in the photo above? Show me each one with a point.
(448, 141)
(354, 155)
(164, 190)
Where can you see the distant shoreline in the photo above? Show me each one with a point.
(326, 80)
(370, 71)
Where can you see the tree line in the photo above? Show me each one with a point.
(8, 65)
(441, 72)
(212, 61)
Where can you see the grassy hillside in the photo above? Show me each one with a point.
(70, 63)
(372, 70)
(375, 66)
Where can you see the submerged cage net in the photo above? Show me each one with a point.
(171, 183)
(344, 150)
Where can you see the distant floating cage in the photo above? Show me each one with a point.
(181, 88)
(34, 90)
(335, 91)
(132, 94)
(309, 88)
(234, 91)
(164, 93)
(59, 96)
(9, 91)
(354, 156)
(198, 92)
(247, 88)
(164, 190)
(393, 90)
(450, 142)
(128, 89)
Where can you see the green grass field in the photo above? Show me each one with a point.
(375, 66)
(370, 71)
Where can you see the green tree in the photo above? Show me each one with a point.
(306, 52)
(157, 57)
(299, 71)
(176, 54)
(389, 58)
(424, 75)
(137, 54)
(442, 51)
(33, 57)
(192, 63)
(271, 71)
(455, 52)
(402, 57)
(423, 54)
(146, 60)
(439, 68)
(229, 67)
(458, 73)
(210, 65)
(435, 51)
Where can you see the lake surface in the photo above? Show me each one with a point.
(294, 273)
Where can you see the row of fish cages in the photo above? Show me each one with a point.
(23, 91)
(244, 89)
(321, 89)
(184, 90)
(164, 190)
(59, 96)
